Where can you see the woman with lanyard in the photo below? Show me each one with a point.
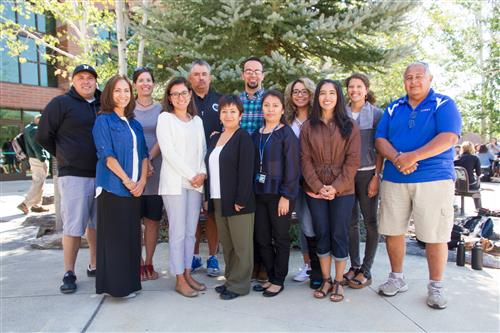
(147, 112)
(298, 104)
(366, 182)
(330, 148)
(121, 174)
(182, 143)
(276, 187)
(230, 160)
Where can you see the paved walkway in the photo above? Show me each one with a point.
(30, 298)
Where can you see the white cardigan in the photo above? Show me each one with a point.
(174, 167)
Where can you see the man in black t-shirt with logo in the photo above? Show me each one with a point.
(207, 104)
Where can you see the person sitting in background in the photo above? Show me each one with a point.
(471, 164)
(486, 158)
(494, 147)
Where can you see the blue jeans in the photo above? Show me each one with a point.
(331, 220)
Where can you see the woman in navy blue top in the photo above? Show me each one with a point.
(276, 186)
(121, 174)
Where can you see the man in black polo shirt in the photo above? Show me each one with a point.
(207, 104)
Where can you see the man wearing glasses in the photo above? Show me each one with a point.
(416, 135)
(251, 97)
(207, 105)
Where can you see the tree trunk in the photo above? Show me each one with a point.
(121, 36)
(140, 51)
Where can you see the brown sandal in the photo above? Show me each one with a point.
(349, 275)
(320, 292)
(356, 283)
(337, 295)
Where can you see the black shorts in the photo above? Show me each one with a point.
(152, 207)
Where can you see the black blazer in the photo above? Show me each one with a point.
(236, 169)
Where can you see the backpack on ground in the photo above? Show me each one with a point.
(19, 147)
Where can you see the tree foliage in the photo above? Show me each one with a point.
(471, 40)
(294, 37)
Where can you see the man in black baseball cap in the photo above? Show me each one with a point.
(65, 130)
(84, 68)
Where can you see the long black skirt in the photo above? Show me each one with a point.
(118, 244)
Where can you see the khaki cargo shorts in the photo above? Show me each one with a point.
(430, 203)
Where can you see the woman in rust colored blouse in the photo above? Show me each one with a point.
(330, 155)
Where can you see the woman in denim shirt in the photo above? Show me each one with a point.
(276, 186)
(121, 174)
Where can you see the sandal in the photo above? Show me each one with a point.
(187, 293)
(356, 283)
(337, 293)
(351, 273)
(144, 275)
(151, 274)
(320, 292)
(197, 285)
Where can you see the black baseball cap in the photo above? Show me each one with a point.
(84, 68)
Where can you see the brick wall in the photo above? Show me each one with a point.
(20, 96)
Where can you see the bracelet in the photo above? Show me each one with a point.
(397, 155)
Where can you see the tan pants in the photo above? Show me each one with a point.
(39, 172)
(236, 237)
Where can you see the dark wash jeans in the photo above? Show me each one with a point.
(331, 220)
(272, 236)
(368, 207)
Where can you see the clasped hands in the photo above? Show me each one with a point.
(135, 188)
(406, 163)
(197, 181)
(327, 192)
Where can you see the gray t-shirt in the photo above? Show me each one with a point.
(148, 118)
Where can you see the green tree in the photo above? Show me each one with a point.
(469, 31)
(294, 37)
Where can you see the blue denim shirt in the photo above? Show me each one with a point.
(112, 137)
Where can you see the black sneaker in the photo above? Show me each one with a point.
(69, 285)
(90, 271)
(220, 289)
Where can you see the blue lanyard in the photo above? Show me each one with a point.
(263, 146)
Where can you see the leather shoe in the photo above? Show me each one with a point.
(258, 288)
(228, 295)
(220, 289)
(268, 293)
(39, 209)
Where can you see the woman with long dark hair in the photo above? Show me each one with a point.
(121, 174)
(330, 149)
(147, 112)
(362, 110)
(276, 186)
(298, 104)
(181, 138)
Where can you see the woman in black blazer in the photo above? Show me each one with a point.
(230, 162)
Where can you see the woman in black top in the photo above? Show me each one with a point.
(276, 186)
(472, 165)
(230, 159)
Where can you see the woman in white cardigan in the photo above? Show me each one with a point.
(182, 143)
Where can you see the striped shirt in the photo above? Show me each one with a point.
(252, 118)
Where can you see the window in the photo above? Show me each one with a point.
(36, 70)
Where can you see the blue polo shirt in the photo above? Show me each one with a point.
(434, 115)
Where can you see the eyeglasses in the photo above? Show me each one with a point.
(184, 94)
(297, 92)
(249, 72)
(413, 117)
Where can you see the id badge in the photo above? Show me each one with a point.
(261, 178)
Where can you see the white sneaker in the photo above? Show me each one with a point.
(131, 295)
(435, 296)
(392, 286)
(302, 275)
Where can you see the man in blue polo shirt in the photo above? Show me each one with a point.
(416, 135)
(251, 97)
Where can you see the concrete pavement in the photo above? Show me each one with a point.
(30, 298)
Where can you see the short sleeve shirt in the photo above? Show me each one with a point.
(436, 114)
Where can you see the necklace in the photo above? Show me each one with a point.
(300, 123)
(144, 105)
